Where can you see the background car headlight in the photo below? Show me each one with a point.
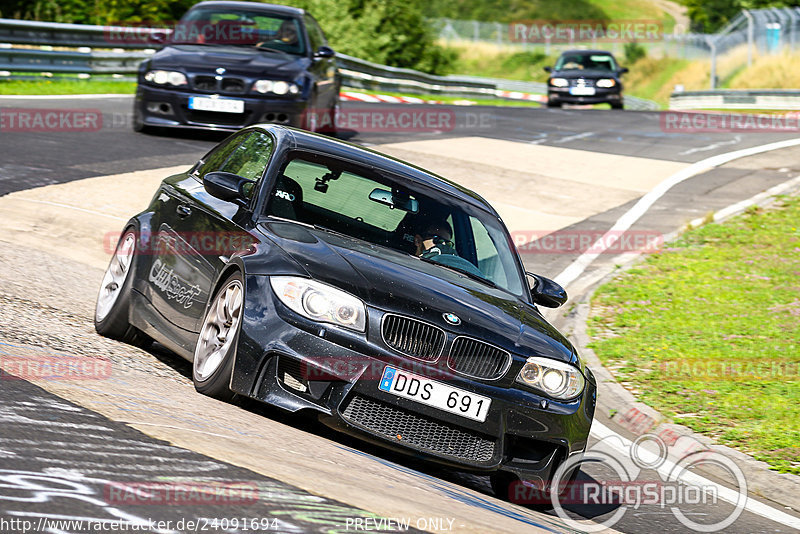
(277, 87)
(164, 77)
(320, 302)
(606, 83)
(556, 379)
(559, 82)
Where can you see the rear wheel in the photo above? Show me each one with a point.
(113, 300)
(216, 344)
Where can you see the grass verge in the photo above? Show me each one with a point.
(708, 332)
(56, 86)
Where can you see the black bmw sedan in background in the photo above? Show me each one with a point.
(585, 77)
(232, 64)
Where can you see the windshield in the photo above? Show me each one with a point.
(333, 195)
(240, 27)
(586, 62)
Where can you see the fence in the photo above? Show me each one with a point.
(736, 99)
(125, 55)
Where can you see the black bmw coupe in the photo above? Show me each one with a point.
(227, 65)
(312, 274)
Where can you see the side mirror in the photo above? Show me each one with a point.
(546, 292)
(623, 70)
(324, 52)
(548, 69)
(226, 186)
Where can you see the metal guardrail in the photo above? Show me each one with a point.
(128, 46)
(736, 99)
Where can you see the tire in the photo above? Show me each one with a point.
(616, 105)
(553, 104)
(138, 123)
(215, 351)
(112, 307)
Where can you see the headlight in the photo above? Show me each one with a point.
(559, 82)
(164, 77)
(606, 83)
(277, 87)
(320, 302)
(554, 378)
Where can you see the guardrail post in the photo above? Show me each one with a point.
(750, 37)
(713, 44)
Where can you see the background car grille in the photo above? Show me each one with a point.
(587, 82)
(418, 431)
(476, 358)
(413, 338)
(225, 85)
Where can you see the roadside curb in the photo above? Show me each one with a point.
(639, 418)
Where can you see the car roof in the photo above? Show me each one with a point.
(268, 8)
(304, 140)
(586, 52)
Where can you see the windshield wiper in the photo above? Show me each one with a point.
(266, 48)
(465, 272)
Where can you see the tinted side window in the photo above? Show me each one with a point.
(315, 34)
(214, 160)
(250, 157)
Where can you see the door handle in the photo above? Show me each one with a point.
(183, 211)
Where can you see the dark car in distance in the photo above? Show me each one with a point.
(585, 77)
(286, 266)
(227, 65)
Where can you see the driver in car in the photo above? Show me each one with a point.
(435, 244)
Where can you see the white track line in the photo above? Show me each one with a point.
(577, 267)
(601, 431)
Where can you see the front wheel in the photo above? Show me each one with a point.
(216, 345)
(113, 300)
(617, 105)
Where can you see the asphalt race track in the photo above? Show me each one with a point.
(64, 446)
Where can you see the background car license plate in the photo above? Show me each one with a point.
(224, 105)
(436, 394)
(581, 91)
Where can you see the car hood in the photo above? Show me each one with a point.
(402, 283)
(584, 73)
(244, 61)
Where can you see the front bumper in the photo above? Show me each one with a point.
(339, 372)
(170, 108)
(601, 96)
